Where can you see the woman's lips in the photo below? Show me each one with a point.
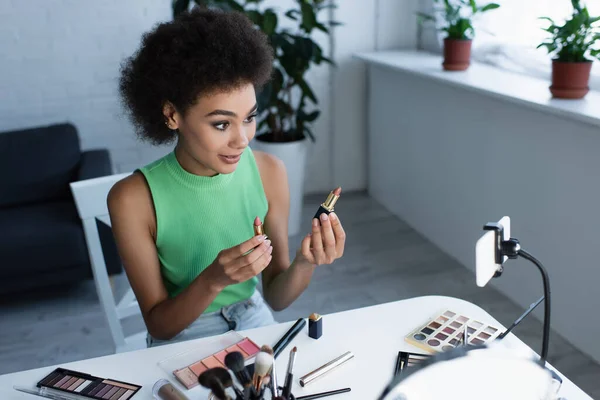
(230, 159)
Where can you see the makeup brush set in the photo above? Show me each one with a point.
(259, 381)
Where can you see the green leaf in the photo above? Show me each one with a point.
(309, 19)
(305, 48)
(255, 17)
(308, 117)
(488, 7)
(425, 17)
(547, 19)
(327, 60)
(307, 91)
(180, 6)
(235, 5)
(292, 14)
(335, 23)
(473, 6)
(263, 97)
(309, 133)
(321, 27)
(324, 6)
(269, 22)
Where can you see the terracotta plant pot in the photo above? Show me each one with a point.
(457, 54)
(570, 79)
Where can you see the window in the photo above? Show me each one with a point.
(508, 36)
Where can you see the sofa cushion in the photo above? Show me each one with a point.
(37, 164)
(41, 237)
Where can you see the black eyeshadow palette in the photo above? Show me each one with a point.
(86, 385)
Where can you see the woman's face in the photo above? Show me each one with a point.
(217, 129)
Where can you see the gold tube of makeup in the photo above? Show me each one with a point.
(164, 390)
(326, 368)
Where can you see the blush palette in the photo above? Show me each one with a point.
(80, 384)
(188, 376)
(446, 331)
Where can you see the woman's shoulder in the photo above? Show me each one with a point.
(268, 164)
(272, 174)
(129, 194)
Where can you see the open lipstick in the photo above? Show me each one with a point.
(258, 227)
(327, 206)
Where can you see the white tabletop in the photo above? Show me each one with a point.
(374, 334)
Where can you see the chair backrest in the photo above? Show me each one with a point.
(90, 199)
(91, 194)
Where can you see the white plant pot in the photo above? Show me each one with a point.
(293, 155)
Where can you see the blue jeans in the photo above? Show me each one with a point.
(247, 314)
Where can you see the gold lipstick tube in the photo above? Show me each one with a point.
(328, 206)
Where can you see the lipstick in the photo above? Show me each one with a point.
(327, 206)
(258, 227)
(315, 326)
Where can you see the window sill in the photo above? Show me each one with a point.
(481, 78)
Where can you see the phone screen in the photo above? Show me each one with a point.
(485, 258)
(485, 253)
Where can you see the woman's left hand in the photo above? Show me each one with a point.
(326, 242)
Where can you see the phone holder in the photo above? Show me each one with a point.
(505, 248)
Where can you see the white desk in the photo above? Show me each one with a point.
(374, 334)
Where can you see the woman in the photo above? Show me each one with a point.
(184, 223)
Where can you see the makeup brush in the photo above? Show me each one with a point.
(235, 362)
(287, 387)
(226, 380)
(262, 365)
(210, 379)
(273, 380)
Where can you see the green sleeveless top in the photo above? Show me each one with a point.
(198, 216)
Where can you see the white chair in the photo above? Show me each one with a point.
(90, 198)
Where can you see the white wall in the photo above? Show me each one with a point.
(60, 62)
(368, 25)
(449, 160)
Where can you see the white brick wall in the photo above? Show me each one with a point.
(60, 61)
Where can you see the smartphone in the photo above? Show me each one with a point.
(487, 253)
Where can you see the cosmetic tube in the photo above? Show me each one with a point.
(327, 207)
(326, 368)
(165, 390)
(47, 393)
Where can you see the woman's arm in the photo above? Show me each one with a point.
(134, 228)
(284, 282)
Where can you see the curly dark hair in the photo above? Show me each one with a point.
(201, 51)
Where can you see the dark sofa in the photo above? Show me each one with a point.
(41, 236)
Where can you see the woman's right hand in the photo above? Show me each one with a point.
(236, 265)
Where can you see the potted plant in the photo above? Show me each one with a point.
(287, 103)
(457, 16)
(572, 43)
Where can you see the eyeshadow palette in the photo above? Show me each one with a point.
(446, 331)
(86, 385)
(406, 360)
(188, 376)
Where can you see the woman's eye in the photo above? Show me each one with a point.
(251, 118)
(221, 125)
